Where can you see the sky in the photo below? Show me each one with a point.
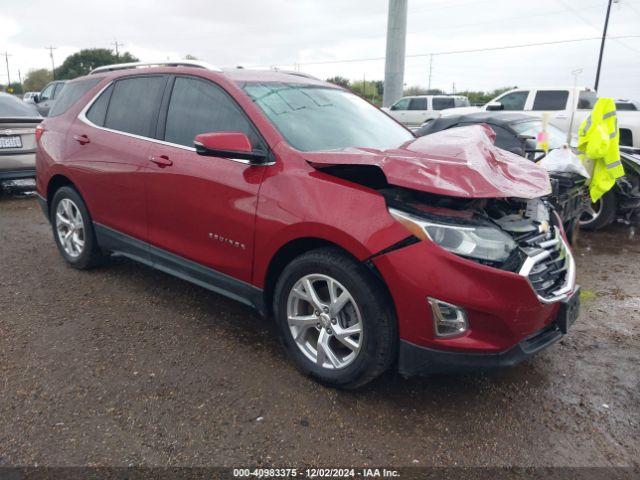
(344, 37)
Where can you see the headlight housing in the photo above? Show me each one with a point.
(480, 242)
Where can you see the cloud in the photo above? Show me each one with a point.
(285, 32)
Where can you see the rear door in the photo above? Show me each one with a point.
(556, 104)
(108, 149)
(202, 208)
(418, 111)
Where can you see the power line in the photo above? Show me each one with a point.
(454, 52)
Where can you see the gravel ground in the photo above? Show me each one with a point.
(128, 366)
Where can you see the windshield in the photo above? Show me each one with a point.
(557, 137)
(12, 107)
(315, 118)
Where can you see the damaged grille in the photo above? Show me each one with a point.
(548, 264)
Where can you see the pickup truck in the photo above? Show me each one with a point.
(413, 111)
(567, 107)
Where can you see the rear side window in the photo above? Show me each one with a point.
(440, 103)
(551, 100)
(134, 105)
(59, 88)
(98, 110)
(418, 104)
(71, 94)
(198, 106)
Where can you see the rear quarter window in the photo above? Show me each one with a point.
(134, 104)
(71, 93)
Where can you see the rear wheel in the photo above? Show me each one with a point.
(73, 230)
(599, 214)
(335, 319)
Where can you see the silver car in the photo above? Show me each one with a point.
(48, 96)
(18, 121)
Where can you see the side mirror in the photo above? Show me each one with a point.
(393, 107)
(234, 145)
(35, 98)
(494, 106)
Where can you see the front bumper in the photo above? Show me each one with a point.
(416, 360)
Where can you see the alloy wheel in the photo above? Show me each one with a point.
(325, 321)
(591, 212)
(70, 227)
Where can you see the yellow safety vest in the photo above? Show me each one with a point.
(598, 139)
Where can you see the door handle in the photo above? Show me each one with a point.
(161, 160)
(81, 139)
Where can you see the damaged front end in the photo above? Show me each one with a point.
(515, 235)
(456, 189)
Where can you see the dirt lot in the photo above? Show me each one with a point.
(124, 365)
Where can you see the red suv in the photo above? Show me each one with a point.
(369, 247)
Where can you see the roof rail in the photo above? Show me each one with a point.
(295, 72)
(179, 63)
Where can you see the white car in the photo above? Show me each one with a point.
(28, 97)
(566, 108)
(415, 110)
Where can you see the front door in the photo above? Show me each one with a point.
(202, 208)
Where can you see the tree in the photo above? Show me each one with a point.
(37, 79)
(341, 81)
(84, 61)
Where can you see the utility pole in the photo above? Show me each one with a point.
(19, 77)
(396, 45)
(430, 69)
(604, 37)
(6, 58)
(53, 67)
(116, 44)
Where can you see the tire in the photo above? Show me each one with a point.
(602, 213)
(355, 358)
(70, 219)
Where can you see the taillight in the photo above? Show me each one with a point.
(39, 132)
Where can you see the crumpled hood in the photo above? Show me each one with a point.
(460, 162)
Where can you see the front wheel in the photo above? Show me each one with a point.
(601, 213)
(335, 319)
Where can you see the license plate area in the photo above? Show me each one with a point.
(10, 141)
(569, 311)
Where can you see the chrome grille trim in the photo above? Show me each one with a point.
(542, 251)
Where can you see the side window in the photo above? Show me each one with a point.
(514, 100)
(134, 104)
(47, 93)
(198, 106)
(551, 100)
(71, 94)
(440, 103)
(625, 106)
(402, 104)
(98, 110)
(58, 90)
(418, 104)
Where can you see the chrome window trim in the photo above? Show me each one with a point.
(82, 116)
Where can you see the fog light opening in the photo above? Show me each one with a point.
(448, 320)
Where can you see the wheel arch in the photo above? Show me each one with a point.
(299, 246)
(56, 182)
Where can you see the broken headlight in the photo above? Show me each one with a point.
(480, 242)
